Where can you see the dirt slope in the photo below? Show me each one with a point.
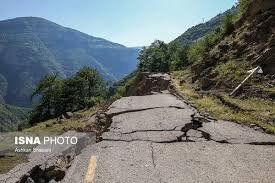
(249, 45)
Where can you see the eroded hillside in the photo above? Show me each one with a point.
(250, 44)
(245, 43)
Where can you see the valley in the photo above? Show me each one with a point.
(199, 108)
(32, 47)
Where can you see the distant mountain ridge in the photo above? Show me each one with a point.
(198, 31)
(32, 47)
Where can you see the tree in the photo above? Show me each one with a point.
(155, 58)
(228, 23)
(57, 96)
(95, 84)
(177, 56)
(49, 90)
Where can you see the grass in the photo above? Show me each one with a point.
(50, 127)
(8, 162)
(232, 70)
(126, 84)
(269, 89)
(221, 106)
(79, 120)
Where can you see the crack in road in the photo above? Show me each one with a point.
(152, 155)
(261, 143)
(143, 109)
(188, 140)
(107, 120)
(195, 124)
(142, 140)
(151, 130)
(153, 161)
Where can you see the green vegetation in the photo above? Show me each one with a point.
(57, 96)
(12, 118)
(8, 162)
(33, 47)
(3, 86)
(58, 126)
(221, 106)
(196, 50)
(210, 60)
(120, 88)
(195, 33)
(232, 70)
(55, 126)
(154, 58)
(161, 57)
(177, 56)
(228, 23)
(242, 7)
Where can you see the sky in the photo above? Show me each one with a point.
(128, 22)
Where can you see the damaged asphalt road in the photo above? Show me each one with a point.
(159, 138)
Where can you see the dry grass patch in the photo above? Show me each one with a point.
(56, 126)
(50, 127)
(8, 162)
(246, 111)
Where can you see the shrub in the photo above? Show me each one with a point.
(232, 70)
(196, 50)
(242, 7)
(94, 101)
(177, 56)
(228, 23)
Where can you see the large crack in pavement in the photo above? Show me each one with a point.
(142, 109)
(196, 124)
(103, 123)
(159, 138)
(142, 140)
(188, 140)
(153, 130)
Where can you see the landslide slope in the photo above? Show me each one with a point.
(250, 44)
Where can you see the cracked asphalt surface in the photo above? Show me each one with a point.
(142, 146)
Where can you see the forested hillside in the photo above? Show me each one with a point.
(33, 47)
(11, 117)
(198, 31)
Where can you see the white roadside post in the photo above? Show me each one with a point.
(253, 71)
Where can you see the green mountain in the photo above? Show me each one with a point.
(11, 117)
(198, 31)
(31, 47)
